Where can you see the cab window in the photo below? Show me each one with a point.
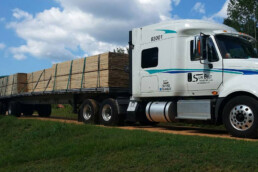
(150, 57)
(211, 51)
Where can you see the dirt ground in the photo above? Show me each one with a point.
(180, 130)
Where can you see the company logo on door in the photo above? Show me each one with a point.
(202, 78)
(165, 86)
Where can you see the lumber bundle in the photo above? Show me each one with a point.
(103, 70)
(39, 80)
(13, 84)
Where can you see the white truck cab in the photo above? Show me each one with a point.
(194, 69)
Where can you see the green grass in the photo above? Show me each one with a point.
(34, 145)
(66, 112)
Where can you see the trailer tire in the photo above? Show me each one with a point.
(44, 110)
(109, 113)
(14, 108)
(2, 109)
(27, 110)
(89, 111)
(240, 117)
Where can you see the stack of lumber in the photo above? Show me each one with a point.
(104, 70)
(13, 84)
(40, 80)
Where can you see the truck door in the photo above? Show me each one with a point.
(149, 60)
(205, 74)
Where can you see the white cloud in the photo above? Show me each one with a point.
(2, 46)
(199, 7)
(2, 19)
(19, 14)
(88, 27)
(176, 2)
(221, 14)
(19, 56)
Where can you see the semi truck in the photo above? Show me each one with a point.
(178, 70)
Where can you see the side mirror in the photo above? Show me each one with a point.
(197, 48)
(200, 46)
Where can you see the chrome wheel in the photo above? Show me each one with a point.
(87, 112)
(106, 112)
(241, 117)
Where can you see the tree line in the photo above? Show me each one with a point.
(243, 15)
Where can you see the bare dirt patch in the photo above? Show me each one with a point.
(180, 130)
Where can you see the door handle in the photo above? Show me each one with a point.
(210, 65)
(189, 76)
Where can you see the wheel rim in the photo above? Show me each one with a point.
(87, 112)
(9, 111)
(106, 112)
(241, 117)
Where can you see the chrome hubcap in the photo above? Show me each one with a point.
(9, 111)
(107, 112)
(87, 112)
(241, 117)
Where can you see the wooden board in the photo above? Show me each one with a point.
(42, 75)
(107, 78)
(38, 87)
(18, 78)
(13, 89)
(106, 61)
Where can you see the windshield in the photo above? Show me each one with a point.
(235, 47)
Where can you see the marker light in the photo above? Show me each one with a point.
(214, 93)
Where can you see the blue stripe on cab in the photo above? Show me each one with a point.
(175, 71)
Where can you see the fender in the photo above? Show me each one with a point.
(240, 83)
(243, 84)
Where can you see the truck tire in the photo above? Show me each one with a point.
(14, 108)
(89, 111)
(44, 110)
(109, 113)
(27, 110)
(2, 109)
(240, 117)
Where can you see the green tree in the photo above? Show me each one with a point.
(243, 15)
(119, 50)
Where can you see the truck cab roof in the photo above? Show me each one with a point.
(188, 27)
(183, 28)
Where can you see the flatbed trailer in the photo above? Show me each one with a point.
(75, 97)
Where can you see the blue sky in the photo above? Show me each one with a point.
(34, 34)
